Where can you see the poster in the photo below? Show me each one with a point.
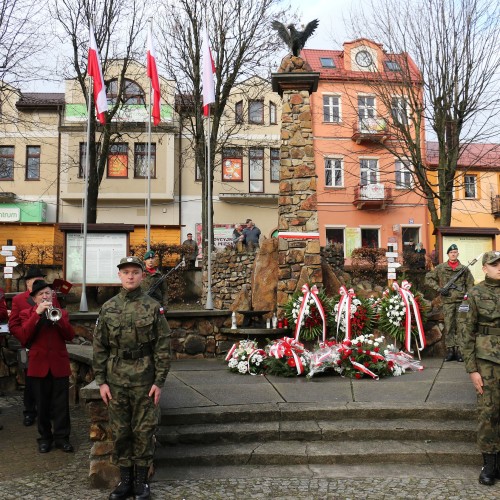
(117, 165)
(104, 251)
(223, 236)
(232, 170)
(352, 239)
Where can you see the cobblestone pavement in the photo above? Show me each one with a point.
(27, 475)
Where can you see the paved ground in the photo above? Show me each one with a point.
(25, 474)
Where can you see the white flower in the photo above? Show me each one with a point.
(233, 363)
(376, 344)
(242, 367)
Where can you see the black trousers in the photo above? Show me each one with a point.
(52, 400)
(29, 398)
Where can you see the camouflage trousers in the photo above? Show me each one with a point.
(488, 435)
(133, 418)
(450, 312)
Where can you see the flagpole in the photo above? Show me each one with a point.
(83, 298)
(148, 231)
(209, 303)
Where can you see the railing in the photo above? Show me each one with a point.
(495, 206)
(372, 195)
(369, 129)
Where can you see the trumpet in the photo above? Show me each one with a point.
(53, 313)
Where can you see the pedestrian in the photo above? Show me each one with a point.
(190, 251)
(131, 362)
(251, 234)
(419, 256)
(21, 302)
(479, 322)
(238, 237)
(152, 276)
(437, 279)
(48, 367)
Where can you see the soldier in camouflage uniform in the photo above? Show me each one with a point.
(451, 299)
(479, 328)
(131, 362)
(151, 276)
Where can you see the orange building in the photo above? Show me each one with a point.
(366, 194)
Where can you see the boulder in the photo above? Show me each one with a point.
(265, 276)
(331, 282)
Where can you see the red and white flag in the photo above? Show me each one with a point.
(208, 74)
(153, 75)
(95, 71)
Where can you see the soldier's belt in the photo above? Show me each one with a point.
(488, 330)
(132, 353)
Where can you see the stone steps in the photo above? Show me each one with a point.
(301, 434)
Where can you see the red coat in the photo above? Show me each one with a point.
(48, 349)
(21, 302)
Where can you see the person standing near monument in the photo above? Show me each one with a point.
(153, 275)
(251, 234)
(437, 279)
(190, 251)
(479, 328)
(131, 362)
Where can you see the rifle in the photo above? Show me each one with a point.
(153, 287)
(445, 291)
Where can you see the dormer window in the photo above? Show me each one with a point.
(392, 66)
(132, 92)
(327, 62)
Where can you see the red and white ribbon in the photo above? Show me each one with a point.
(231, 351)
(410, 303)
(310, 293)
(344, 310)
(364, 369)
(280, 346)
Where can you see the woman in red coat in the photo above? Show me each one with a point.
(49, 367)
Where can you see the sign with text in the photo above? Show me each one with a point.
(10, 214)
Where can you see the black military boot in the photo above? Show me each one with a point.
(141, 483)
(489, 470)
(458, 355)
(125, 487)
(450, 354)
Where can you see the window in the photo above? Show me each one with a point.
(256, 156)
(83, 157)
(399, 107)
(392, 65)
(334, 236)
(232, 165)
(275, 165)
(470, 184)
(327, 62)
(32, 163)
(331, 108)
(334, 174)
(132, 92)
(7, 163)
(118, 160)
(366, 113)
(368, 172)
(238, 112)
(403, 175)
(141, 160)
(256, 112)
(273, 116)
(369, 238)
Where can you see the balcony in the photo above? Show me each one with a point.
(372, 196)
(370, 130)
(495, 206)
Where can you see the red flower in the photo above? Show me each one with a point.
(359, 344)
(347, 342)
(360, 351)
(288, 352)
(377, 349)
(291, 362)
(367, 364)
(390, 364)
(358, 375)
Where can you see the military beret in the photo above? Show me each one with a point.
(130, 261)
(149, 255)
(490, 257)
(451, 248)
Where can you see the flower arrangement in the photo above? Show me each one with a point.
(312, 309)
(287, 357)
(402, 314)
(245, 357)
(362, 315)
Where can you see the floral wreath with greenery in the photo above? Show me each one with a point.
(246, 357)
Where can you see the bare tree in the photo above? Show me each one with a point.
(120, 32)
(453, 92)
(243, 45)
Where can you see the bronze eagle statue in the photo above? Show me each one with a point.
(293, 38)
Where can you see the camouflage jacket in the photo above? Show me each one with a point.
(442, 274)
(161, 292)
(131, 341)
(479, 324)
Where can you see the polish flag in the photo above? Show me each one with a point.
(153, 75)
(95, 71)
(208, 74)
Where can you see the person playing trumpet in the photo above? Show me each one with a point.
(48, 366)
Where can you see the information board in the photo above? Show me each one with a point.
(104, 251)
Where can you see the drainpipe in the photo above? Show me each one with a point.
(58, 182)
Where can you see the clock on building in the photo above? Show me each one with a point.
(364, 59)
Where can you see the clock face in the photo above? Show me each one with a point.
(364, 59)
